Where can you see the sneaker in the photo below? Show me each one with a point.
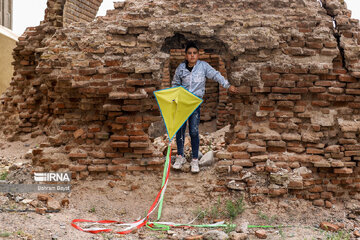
(195, 166)
(180, 160)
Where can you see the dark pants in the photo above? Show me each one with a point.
(194, 121)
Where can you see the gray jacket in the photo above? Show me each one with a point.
(194, 81)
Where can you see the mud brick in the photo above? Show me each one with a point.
(139, 144)
(236, 168)
(101, 161)
(119, 144)
(314, 151)
(277, 192)
(78, 155)
(244, 90)
(113, 168)
(94, 129)
(280, 90)
(299, 90)
(347, 78)
(258, 190)
(335, 90)
(352, 153)
(296, 184)
(253, 149)
(111, 63)
(68, 127)
(223, 155)
(299, 109)
(274, 96)
(135, 132)
(243, 162)
(102, 135)
(118, 95)
(329, 226)
(322, 164)
(343, 170)
(319, 202)
(77, 168)
(353, 85)
(316, 189)
(354, 105)
(314, 45)
(291, 137)
(261, 90)
(326, 195)
(84, 161)
(111, 107)
(117, 126)
(352, 91)
(344, 98)
(131, 108)
(270, 76)
(237, 147)
(78, 133)
(225, 163)
(98, 168)
(117, 161)
(119, 138)
(284, 114)
(143, 138)
(333, 149)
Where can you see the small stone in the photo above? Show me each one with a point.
(242, 227)
(215, 234)
(53, 205)
(65, 202)
(43, 197)
(40, 210)
(195, 237)
(329, 226)
(261, 234)
(111, 184)
(18, 199)
(238, 236)
(26, 201)
(356, 233)
(207, 159)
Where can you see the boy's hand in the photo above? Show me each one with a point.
(232, 89)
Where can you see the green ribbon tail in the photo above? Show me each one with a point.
(167, 162)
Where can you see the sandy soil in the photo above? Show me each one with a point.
(130, 197)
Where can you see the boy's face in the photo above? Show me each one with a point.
(192, 55)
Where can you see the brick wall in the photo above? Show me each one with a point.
(294, 124)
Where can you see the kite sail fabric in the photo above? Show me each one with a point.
(176, 105)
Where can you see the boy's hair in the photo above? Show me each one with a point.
(191, 44)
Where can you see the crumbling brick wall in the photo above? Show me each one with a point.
(294, 124)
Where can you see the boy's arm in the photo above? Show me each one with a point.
(210, 72)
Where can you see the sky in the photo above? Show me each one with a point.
(24, 18)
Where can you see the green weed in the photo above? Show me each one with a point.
(229, 209)
(3, 175)
(341, 235)
(233, 209)
(5, 234)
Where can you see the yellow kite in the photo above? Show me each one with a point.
(176, 105)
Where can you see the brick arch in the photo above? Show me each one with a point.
(216, 53)
(80, 10)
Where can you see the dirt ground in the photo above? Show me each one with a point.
(128, 199)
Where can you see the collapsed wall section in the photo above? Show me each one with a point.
(294, 124)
